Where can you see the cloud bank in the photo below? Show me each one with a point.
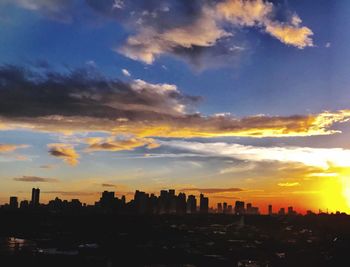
(314, 157)
(35, 179)
(85, 101)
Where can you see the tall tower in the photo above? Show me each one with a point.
(270, 209)
(203, 204)
(35, 197)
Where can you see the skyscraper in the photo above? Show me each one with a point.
(181, 204)
(35, 197)
(225, 207)
(239, 207)
(270, 209)
(219, 207)
(203, 204)
(191, 204)
(13, 202)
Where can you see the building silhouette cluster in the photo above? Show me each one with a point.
(168, 202)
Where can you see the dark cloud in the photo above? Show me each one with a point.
(84, 92)
(35, 179)
(47, 166)
(84, 100)
(107, 185)
(212, 190)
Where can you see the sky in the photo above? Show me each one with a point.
(238, 99)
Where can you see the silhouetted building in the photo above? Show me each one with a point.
(225, 207)
(229, 209)
(191, 204)
(310, 212)
(291, 211)
(123, 200)
(75, 204)
(164, 202)
(13, 202)
(282, 211)
(203, 204)
(252, 210)
(24, 204)
(249, 207)
(239, 207)
(56, 204)
(35, 197)
(270, 212)
(141, 201)
(219, 205)
(181, 204)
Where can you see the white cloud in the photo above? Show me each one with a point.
(316, 157)
(126, 73)
(209, 27)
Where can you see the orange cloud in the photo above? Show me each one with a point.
(288, 184)
(190, 126)
(5, 148)
(260, 13)
(64, 151)
(112, 144)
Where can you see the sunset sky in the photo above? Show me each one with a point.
(237, 99)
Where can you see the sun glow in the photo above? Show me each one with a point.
(335, 192)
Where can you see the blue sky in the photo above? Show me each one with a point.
(285, 63)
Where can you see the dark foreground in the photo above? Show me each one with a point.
(44, 239)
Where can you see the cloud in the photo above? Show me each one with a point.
(291, 35)
(86, 93)
(64, 151)
(47, 166)
(123, 143)
(60, 10)
(288, 184)
(260, 13)
(204, 28)
(85, 101)
(315, 157)
(35, 179)
(202, 32)
(126, 73)
(151, 42)
(108, 185)
(212, 190)
(6, 148)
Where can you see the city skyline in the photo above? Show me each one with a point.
(238, 100)
(166, 202)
